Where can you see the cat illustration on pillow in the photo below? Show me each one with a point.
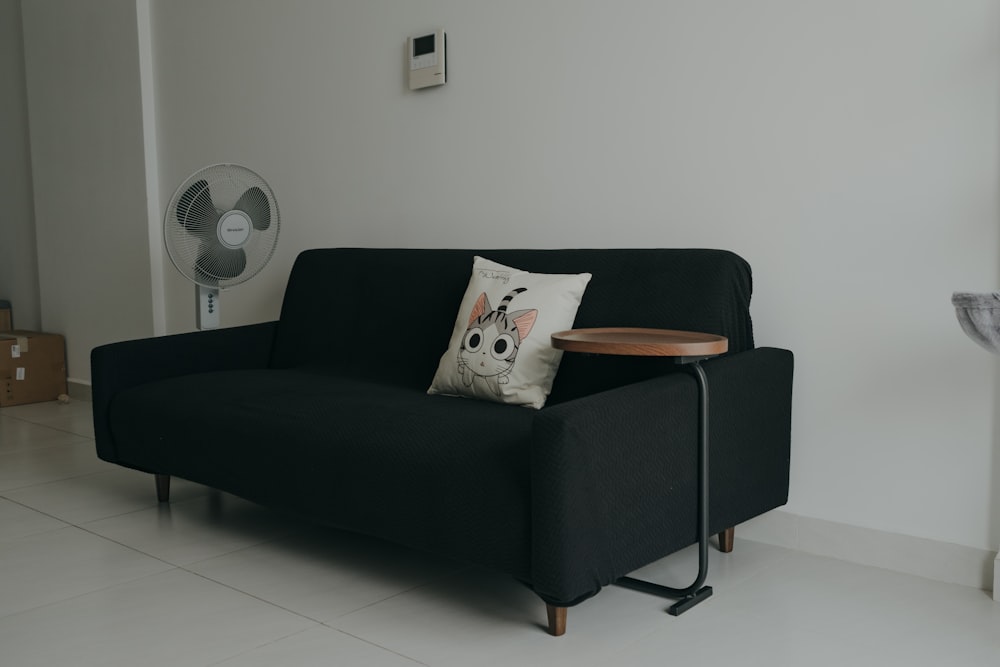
(491, 341)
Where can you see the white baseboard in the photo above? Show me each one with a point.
(996, 578)
(930, 559)
(78, 389)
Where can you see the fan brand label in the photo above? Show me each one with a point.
(234, 229)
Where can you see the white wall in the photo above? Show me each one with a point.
(81, 60)
(18, 257)
(848, 149)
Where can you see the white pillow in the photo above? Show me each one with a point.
(500, 348)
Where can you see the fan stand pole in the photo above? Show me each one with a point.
(208, 307)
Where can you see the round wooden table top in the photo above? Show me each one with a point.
(633, 341)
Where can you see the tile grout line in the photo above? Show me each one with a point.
(255, 648)
(304, 616)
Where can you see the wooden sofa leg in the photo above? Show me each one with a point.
(557, 620)
(726, 540)
(163, 488)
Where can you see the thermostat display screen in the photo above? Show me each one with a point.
(423, 45)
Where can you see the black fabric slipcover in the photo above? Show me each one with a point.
(359, 311)
(325, 413)
(331, 452)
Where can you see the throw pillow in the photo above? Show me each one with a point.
(500, 348)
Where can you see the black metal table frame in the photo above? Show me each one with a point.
(695, 593)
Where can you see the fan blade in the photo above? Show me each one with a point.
(196, 212)
(216, 262)
(254, 203)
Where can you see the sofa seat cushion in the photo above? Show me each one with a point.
(440, 473)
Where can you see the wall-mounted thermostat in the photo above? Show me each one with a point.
(426, 59)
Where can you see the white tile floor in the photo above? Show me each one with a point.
(94, 572)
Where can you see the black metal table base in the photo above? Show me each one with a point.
(696, 592)
(685, 601)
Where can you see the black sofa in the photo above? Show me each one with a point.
(324, 413)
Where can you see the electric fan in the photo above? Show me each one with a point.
(220, 229)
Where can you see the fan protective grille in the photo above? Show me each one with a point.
(221, 225)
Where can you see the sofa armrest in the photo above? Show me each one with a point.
(118, 366)
(614, 474)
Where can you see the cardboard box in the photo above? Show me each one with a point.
(32, 367)
(6, 319)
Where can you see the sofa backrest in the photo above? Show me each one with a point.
(387, 314)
